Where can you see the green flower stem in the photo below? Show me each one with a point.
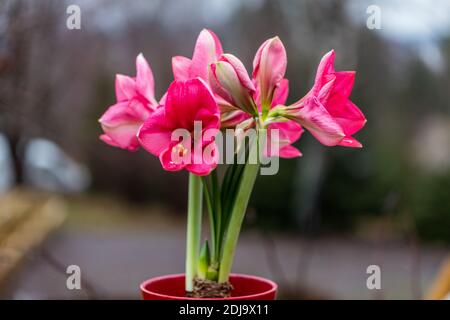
(194, 224)
(237, 216)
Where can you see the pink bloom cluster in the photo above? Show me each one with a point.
(215, 89)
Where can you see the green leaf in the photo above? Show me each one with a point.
(245, 182)
(210, 206)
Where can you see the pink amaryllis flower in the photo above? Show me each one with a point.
(272, 89)
(326, 111)
(187, 103)
(135, 103)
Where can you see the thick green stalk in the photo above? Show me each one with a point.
(194, 224)
(236, 217)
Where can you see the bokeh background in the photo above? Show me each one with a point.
(69, 199)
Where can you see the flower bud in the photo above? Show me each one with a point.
(232, 83)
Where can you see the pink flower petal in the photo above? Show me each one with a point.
(181, 68)
(185, 99)
(105, 138)
(207, 50)
(155, 135)
(145, 83)
(346, 113)
(257, 58)
(350, 142)
(217, 44)
(289, 152)
(117, 114)
(208, 162)
(167, 163)
(288, 133)
(281, 93)
(125, 88)
(226, 82)
(123, 136)
(344, 82)
(121, 124)
(240, 70)
(233, 118)
(269, 67)
(324, 70)
(313, 116)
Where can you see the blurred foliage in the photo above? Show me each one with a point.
(430, 206)
(272, 195)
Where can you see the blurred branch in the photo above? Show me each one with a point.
(272, 258)
(304, 257)
(416, 288)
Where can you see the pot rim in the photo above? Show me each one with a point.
(272, 284)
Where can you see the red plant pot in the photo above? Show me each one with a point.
(171, 287)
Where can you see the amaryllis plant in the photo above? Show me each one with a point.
(211, 94)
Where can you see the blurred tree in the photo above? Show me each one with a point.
(43, 87)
